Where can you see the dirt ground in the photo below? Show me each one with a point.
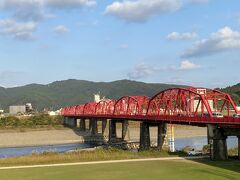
(64, 136)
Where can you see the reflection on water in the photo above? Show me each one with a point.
(13, 152)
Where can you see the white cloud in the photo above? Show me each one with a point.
(141, 10)
(187, 65)
(141, 71)
(61, 29)
(36, 9)
(223, 40)
(182, 36)
(25, 15)
(18, 30)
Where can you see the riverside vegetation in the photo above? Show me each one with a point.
(96, 154)
(36, 121)
(88, 155)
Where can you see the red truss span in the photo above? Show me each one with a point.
(176, 105)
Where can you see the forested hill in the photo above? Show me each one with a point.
(71, 92)
(234, 91)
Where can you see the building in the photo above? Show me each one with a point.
(17, 109)
(97, 98)
(238, 108)
(20, 109)
(29, 107)
(54, 113)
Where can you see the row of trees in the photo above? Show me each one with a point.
(41, 120)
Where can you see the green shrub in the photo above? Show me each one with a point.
(40, 120)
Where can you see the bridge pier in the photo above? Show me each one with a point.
(218, 143)
(145, 139)
(125, 130)
(70, 121)
(65, 120)
(144, 136)
(162, 131)
(94, 126)
(112, 131)
(83, 124)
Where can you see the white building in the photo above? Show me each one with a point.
(238, 108)
(17, 109)
(54, 113)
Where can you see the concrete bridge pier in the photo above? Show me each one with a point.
(112, 131)
(88, 122)
(145, 139)
(83, 124)
(144, 136)
(125, 130)
(70, 121)
(65, 120)
(218, 143)
(94, 126)
(162, 131)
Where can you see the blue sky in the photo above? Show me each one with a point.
(193, 42)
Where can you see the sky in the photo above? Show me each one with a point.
(189, 42)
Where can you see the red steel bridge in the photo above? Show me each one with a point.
(190, 105)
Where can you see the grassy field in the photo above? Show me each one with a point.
(132, 170)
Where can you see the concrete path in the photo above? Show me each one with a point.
(102, 162)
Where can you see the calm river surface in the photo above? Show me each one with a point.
(13, 152)
(196, 142)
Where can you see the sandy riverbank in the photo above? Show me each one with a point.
(67, 136)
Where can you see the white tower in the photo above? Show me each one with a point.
(97, 98)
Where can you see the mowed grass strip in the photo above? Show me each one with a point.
(131, 170)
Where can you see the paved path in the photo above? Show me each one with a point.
(102, 162)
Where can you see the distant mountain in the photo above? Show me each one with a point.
(70, 92)
(234, 91)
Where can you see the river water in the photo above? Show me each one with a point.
(196, 142)
(22, 151)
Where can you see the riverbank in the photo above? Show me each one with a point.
(97, 154)
(51, 136)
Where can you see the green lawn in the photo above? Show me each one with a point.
(134, 170)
